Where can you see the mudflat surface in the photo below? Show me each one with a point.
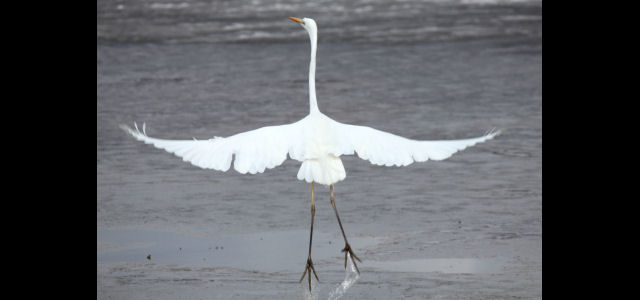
(468, 227)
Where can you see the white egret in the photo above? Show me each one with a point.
(317, 141)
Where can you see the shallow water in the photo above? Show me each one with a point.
(356, 21)
(271, 251)
(443, 265)
(466, 227)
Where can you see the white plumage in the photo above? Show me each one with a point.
(317, 141)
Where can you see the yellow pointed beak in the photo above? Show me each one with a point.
(299, 21)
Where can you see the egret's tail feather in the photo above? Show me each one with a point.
(325, 170)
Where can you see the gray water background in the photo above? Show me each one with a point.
(420, 69)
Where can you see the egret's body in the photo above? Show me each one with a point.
(316, 140)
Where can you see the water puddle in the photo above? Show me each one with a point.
(266, 251)
(442, 265)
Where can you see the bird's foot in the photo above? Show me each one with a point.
(347, 250)
(308, 269)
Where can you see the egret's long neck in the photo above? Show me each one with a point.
(313, 102)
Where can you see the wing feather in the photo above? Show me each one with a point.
(254, 151)
(386, 149)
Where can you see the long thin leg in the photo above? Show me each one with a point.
(347, 248)
(309, 268)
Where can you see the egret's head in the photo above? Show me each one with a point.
(306, 23)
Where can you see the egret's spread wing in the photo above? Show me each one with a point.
(254, 150)
(383, 148)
